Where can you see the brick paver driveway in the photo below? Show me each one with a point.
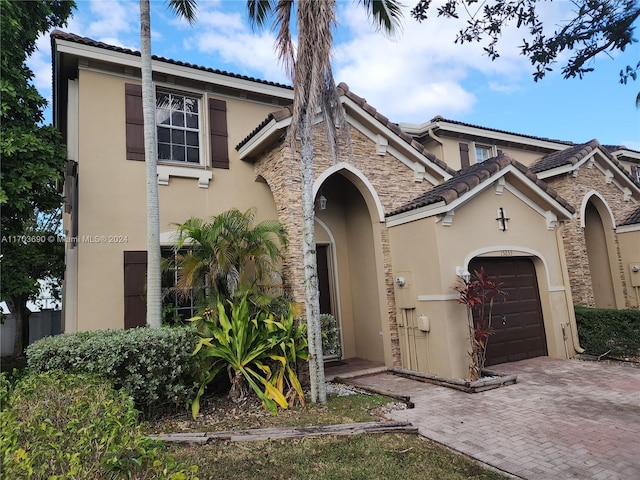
(564, 419)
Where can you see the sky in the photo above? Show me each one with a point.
(410, 78)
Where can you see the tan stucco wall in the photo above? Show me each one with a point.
(629, 243)
(113, 200)
(432, 251)
(449, 151)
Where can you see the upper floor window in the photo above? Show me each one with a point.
(483, 152)
(178, 127)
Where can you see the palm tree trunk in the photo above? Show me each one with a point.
(154, 301)
(312, 296)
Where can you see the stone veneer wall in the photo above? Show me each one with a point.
(392, 180)
(573, 189)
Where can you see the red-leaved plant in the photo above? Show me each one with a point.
(479, 294)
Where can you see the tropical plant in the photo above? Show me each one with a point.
(256, 350)
(228, 256)
(314, 89)
(478, 294)
(185, 9)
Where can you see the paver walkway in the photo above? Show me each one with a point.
(564, 419)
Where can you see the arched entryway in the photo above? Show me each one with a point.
(350, 272)
(598, 227)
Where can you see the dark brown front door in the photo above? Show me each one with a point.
(322, 257)
(517, 321)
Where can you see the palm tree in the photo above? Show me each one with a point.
(186, 9)
(314, 89)
(228, 254)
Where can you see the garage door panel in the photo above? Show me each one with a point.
(517, 321)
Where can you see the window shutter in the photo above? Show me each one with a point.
(135, 122)
(218, 131)
(464, 155)
(135, 275)
(634, 174)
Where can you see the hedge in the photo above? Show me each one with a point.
(616, 332)
(155, 366)
(62, 426)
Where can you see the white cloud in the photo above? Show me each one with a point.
(111, 18)
(227, 36)
(421, 64)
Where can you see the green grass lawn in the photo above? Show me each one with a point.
(366, 456)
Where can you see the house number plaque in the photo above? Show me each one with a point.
(506, 253)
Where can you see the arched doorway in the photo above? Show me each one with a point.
(597, 222)
(347, 258)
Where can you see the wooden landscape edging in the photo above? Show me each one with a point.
(496, 380)
(352, 382)
(202, 438)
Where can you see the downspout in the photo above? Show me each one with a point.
(567, 290)
(433, 137)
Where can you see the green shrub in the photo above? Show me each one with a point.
(64, 426)
(156, 366)
(603, 330)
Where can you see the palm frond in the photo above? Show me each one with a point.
(386, 15)
(259, 11)
(185, 9)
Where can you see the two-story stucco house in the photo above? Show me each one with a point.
(409, 208)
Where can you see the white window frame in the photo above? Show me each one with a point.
(490, 148)
(199, 98)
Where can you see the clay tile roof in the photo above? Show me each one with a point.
(633, 218)
(468, 178)
(573, 155)
(278, 115)
(439, 118)
(568, 156)
(93, 43)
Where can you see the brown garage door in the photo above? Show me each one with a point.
(517, 321)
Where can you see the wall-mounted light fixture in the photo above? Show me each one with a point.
(463, 274)
(322, 202)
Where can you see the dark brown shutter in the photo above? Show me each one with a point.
(464, 155)
(135, 275)
(135, 122)
(218, 130)
(634, 174)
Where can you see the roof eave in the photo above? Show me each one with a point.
(261, 138)
(443, 208)
(400, 144)
(417, 130)
(131, 60)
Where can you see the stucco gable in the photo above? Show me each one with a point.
(472, 180)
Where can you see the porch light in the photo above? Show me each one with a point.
(322, 202)
(463, 274)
